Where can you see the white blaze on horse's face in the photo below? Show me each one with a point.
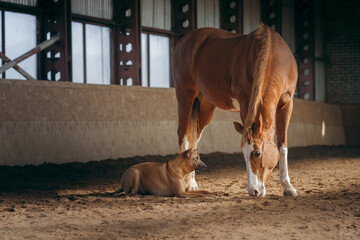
(254, 187)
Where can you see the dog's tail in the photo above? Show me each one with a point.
(120, 190)
(194, 123)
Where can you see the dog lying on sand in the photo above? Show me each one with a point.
(171, 178)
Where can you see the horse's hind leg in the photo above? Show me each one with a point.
(206, 112)
(282, 122)
(203, 113)
(185, 104)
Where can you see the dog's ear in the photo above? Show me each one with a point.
(239, 127)
(187, 153)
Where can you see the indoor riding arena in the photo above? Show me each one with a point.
(90, 88)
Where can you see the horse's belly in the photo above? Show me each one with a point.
(235, 106)
(223, 102)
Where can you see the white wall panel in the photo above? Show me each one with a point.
(156, 14)
(77, 52)
(167, 15)
(147, 13)
(22, 2)
(288, 26)
(208, 13)
(159, 14)
(93, 8)
(252, 15)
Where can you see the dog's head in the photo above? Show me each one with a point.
(192, 160)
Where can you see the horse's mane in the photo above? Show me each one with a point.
(263, 43)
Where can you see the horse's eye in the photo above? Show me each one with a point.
(256, 153)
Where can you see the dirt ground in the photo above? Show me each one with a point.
(71, 201)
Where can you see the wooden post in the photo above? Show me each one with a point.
(126, 33)
(231, 17)
(304, 32)
(56, 60)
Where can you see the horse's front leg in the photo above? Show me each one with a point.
(283, 116)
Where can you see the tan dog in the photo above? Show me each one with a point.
(171, 178)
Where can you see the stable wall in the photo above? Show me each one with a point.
(351, 120)
(343, 52)
(42, 121)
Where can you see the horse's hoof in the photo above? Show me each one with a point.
(194, 186)
(290, 192)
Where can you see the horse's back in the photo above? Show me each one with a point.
(201, 59)
(191, 45)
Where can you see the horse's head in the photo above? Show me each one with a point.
(261, 156)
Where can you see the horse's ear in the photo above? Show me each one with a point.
(239, 127)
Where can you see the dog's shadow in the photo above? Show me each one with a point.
(121, 194)
(114, 194)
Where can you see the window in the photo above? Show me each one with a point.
(90, 53)
(20, 37)
(155, 43)
(156, 63)
(288, 23)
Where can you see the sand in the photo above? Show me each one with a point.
(72, 201)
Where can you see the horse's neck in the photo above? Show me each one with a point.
(269, 134)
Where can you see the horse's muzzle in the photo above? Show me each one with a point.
(259, 191)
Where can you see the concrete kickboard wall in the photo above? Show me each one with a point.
(59, 122)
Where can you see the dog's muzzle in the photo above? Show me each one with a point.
(201, 166)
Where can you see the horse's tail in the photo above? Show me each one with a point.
(263, 44)
(194, 123)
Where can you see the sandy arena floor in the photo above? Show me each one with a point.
(70, 201)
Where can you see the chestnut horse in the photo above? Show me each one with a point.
(253, 74)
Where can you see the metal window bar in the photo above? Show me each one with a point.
(16, 67)
(28, 54)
